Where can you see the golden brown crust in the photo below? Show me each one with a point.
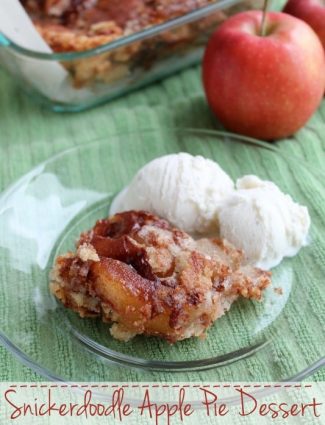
(62, 39)
(69, 25)
(80, 25)
(135, 270)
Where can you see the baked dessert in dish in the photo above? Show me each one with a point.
(70, 25)
(80, 25)
(137, 272)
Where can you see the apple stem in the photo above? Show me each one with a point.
(263, 25)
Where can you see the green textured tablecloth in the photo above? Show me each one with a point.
(30, 134)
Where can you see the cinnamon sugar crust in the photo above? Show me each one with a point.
(137, 272)
(72, 25)
(80, 25)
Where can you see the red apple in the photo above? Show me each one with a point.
(264, 86)
(310, 11)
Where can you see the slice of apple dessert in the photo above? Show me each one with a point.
(137, 272)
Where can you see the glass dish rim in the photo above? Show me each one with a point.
(316, 172)
(46, 373)
(174, 366)
(189, 17)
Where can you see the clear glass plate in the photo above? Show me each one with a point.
(43, 213)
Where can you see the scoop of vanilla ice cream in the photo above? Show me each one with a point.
(264, 222)
(184, 189)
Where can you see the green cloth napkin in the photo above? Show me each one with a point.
(30, 134)
(178, 101)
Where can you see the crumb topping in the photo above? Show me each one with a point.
(86, 252)
(137, 271)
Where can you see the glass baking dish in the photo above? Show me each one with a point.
(74, 81)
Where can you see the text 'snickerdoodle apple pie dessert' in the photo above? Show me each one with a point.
(136, 271)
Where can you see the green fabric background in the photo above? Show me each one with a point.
(30, 134)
